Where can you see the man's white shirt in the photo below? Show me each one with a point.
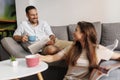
(41, 31)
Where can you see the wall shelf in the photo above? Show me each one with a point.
(4, 30)
(7, 21)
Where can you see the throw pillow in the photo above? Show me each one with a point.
(110, 32)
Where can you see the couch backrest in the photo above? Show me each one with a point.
(71, 29)
(60, 32)
(110, 32)
(97, 25)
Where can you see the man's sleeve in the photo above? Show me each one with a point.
(48, 30)
(19, 30)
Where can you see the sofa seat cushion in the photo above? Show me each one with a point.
(72, 27)
(110, 32)
(60, 32)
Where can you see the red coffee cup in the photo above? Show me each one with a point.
(32, 60)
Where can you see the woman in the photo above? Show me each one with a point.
(84, 55)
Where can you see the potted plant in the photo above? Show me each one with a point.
(13, 60)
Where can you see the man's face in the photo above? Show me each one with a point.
(32, 16)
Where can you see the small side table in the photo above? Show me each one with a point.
(9, 72)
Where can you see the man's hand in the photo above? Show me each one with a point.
(51, 42)
(21, 38)
(52, 37)
(24, 38)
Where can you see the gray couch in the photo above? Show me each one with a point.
(106, 33)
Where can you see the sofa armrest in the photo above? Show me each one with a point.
(13, 48)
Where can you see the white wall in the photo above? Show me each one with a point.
(63, 12)
(20, 9)
(111, 11)
(58, 12)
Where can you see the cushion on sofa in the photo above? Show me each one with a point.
(97, 25)
(110, 32)
(71, 29)
(98, 30)
(13, 48)
(60, 32)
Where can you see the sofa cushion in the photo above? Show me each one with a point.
(72, 27)
(60, 32)
(98, 30)
(13, 48)
(110, 32)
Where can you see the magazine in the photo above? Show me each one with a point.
(36, 46)
(96, 74)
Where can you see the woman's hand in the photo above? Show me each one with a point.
(43, 58)
(116, 56)
(50, 58)
(40, 57)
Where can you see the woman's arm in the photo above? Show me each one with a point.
(116, 56)
(51, 58)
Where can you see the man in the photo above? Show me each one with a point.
(36, 27)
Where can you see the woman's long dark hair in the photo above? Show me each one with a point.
(90, 43)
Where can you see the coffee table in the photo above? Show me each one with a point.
(7, 71)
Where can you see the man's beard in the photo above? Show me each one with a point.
(34, 21)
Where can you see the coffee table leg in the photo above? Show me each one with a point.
(40, 77)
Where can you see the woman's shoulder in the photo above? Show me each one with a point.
(101, 47)
(103, 53)
(103, 50)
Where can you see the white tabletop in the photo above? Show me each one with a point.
(7, 71)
